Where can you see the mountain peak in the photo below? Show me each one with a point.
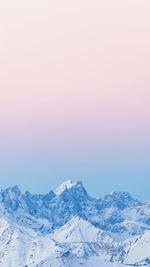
(121, 199)
(14, 189)
(77, 230)
(121, 194)
(66, 185)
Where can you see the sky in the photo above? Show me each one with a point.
(75, 95)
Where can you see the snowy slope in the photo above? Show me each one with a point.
(79, 230)
(92, 262)
(24, 247)
(115, 213)
(19, 247)
(137, 250)
(69, 228)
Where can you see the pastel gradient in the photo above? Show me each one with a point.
(75, 95)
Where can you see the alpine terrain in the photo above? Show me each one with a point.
(70, 228)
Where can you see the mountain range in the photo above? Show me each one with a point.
(70, 228)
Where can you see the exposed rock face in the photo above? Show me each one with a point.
(70, 227)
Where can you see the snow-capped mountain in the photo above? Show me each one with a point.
(79, 230)
(70, 228)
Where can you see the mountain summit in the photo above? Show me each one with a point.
(68, 226)
(65, 186)
(109, 213)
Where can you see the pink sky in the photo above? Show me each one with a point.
(74, 70)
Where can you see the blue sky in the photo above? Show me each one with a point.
(75, 95)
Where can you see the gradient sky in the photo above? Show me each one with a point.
(75, 95)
